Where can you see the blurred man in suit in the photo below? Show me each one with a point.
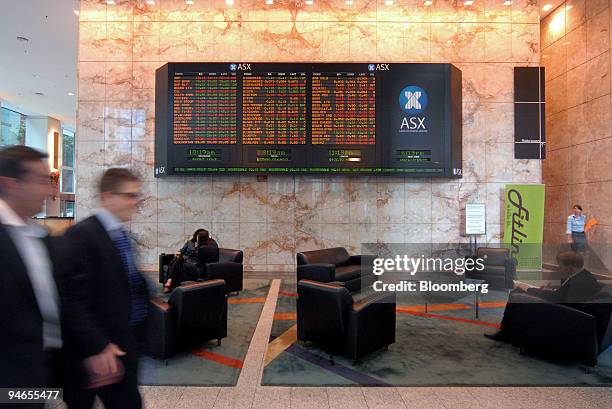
(578, 287)
(30, 332)
(107, 298)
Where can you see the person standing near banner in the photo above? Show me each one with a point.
(576, 234)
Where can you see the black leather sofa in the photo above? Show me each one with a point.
(335, 264)
(500, 268)
(229, 268)
(327, 315)
(195, 313)
(576, 332)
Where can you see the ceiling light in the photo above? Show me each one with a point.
(428, 3)
(547, 7)
(508, 3)
(388, 2)
(76, 12)
(349, 2)
(110, 2)
(189, 2)
(40, 94)
(71, 94)
(468, 2)
(22, 39)
(568, 7)
(309, 2)
(229, 2)
(150, 2)
(269, 2)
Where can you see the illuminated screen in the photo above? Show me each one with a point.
(332, 118)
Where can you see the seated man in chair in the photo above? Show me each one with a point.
(184, 270)
(579, 286)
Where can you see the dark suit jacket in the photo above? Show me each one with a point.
(578, 288)
(97, 294)
(22, 360)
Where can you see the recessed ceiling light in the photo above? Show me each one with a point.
(269, 2)
(468, 2)
(309, 2)
(349, 2)
(189, 2)
(71, 94)
(77, 12)
(388, 2)
(150, 2)
(428, 3)
(110, 2)
(547, 7)
(40, 94)
(229, 2)
(22, 39)
(508, 3)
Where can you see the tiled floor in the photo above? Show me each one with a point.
(247, 394)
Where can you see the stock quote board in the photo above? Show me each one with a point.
(324, 118)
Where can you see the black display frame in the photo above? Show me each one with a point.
(169, 157)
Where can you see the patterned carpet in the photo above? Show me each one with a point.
(209, 364)
(438, 342)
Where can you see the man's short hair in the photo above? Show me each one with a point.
(570, 259)
(114, 178)
(13, 157)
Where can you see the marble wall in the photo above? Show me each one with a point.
(120, 47)
(575, 42)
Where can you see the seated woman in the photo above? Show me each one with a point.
(186, 267)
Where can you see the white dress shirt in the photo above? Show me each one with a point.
(27, 237)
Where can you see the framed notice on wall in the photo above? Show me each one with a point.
(475, 219)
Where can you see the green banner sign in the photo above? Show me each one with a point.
(524, 224)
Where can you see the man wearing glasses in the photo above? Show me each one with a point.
(30, 290)
(107, 299)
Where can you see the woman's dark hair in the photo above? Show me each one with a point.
(194, 238)
(577, 206)
(203, 237)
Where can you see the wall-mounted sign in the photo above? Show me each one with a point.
(475, 218)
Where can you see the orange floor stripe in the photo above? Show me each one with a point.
(285, 316)
(433, 307)
(492, 304)
(220, 359)
(444, 317)
(246, 300)
(287, 294)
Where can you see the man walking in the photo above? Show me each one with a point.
(107, 298)
(31, 337)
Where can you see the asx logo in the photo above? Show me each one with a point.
(378, 67)
(240, 67)
(413, 99)
(413, 124)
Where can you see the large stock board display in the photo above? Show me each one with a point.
(330, 118)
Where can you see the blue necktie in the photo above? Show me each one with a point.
(138, 312)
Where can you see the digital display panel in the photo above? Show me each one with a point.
(330, 118)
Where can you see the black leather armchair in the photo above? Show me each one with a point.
(327, 315)
(499, 268)
(229, 268)
(195, 313)
(572, 332)
(335, 264)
